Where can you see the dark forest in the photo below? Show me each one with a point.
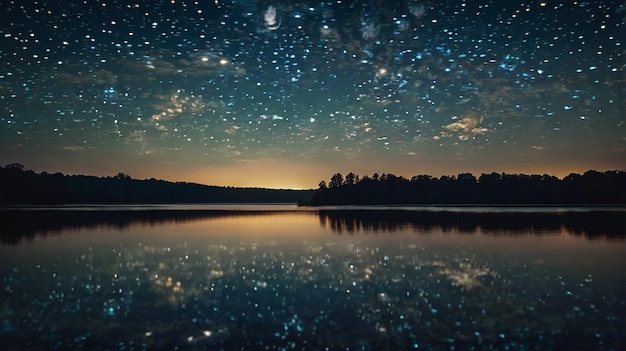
(19, 186)
(590, 188)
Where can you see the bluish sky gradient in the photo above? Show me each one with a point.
(283, 94)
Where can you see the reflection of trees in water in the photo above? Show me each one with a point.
(352, 225)
(18, 225)
(592, 224)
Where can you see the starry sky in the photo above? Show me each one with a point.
(283, 94)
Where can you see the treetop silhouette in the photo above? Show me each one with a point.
(590, 188)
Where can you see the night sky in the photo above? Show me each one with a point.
(283, 94)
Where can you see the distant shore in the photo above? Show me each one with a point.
(592, 188)
(19, 186)
(22, 187)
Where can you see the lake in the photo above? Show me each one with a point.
(279, 277)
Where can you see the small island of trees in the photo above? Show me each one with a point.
(590, 188)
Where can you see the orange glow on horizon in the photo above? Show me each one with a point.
(307, 174)
(272, 174)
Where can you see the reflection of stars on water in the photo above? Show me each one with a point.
(271, 20)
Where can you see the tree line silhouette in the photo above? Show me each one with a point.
(590, 188)
(19, 186)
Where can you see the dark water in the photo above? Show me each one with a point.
(276, 277)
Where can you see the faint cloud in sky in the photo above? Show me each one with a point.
(77, 148)
(466, 127)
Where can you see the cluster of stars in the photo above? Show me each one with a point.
(301, 79)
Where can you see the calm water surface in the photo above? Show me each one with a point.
(279, 277)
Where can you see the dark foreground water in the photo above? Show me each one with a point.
(279, 278)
